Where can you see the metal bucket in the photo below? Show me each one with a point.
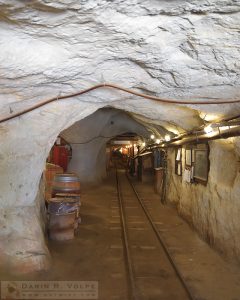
(61, 226)
(69, 195)
(61, 205)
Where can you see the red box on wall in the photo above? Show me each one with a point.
(60, 156)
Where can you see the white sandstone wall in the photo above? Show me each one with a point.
(213, 210)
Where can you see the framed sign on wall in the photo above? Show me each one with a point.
(188, 157)
(201, 164)
(178, 161)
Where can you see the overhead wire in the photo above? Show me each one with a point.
(92, 139)
(117, 87)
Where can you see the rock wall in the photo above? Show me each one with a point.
(213, 210)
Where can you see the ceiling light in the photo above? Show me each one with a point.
(167, 138)
(224, 127)
(143, 144)
(208, 129)
(157, 141)
(152, 136)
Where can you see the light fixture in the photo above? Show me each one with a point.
(143, 144)
(224, 127)
(157, 141)
(167, 138)
(208, 129)
(134, 145)
(152, 136)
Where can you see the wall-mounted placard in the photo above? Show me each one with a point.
(179, 154)
(201, 165)
(179, 169)
(178, 161)
(188, 157)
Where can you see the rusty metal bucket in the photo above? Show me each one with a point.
(60, 205)
(61, 226)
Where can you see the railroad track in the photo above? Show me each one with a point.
(150, 269)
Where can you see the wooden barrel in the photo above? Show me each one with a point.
(60, 205)
(66, 183)
(50, 171)
(61, 226)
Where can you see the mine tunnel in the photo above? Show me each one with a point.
(120, 150)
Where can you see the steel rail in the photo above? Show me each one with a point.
(154, 227)
(132, 289)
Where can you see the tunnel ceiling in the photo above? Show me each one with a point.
(171, 49)
(104, 125)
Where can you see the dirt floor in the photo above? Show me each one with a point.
(97, 252)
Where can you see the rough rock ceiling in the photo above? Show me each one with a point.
(173, 49)
(104, 124)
